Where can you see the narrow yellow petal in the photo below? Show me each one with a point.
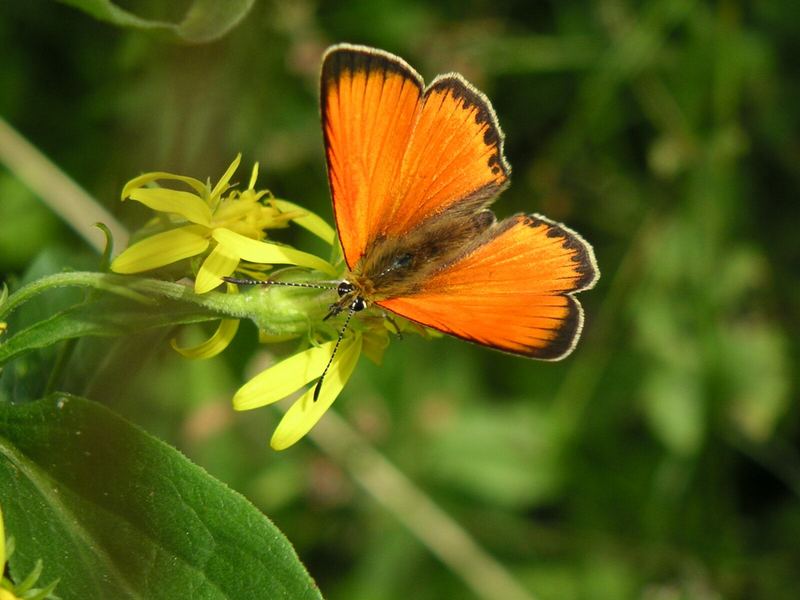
(269, 253)
(282, 379)
(310, 221)
(220, 263)
(222, 184)
(188, 205)
(305, 412)
(144, 179)
(212, 346)
(162, 249)
(253, 177)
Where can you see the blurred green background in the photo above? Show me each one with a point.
(661, 460)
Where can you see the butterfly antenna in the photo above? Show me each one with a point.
(318, 387)
(318, 286)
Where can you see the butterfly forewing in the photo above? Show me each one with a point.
(370, 100)
(398, 156)
(455, 156)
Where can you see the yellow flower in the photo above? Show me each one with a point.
(291, 374)
(230, 225)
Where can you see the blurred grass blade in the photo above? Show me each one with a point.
(442, 535)
(65, 197)
(206, 20)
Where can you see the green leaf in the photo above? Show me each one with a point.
(104, 317)
(206, 20)
(115, 513)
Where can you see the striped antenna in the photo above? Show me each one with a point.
(318, 286)
(318, 387)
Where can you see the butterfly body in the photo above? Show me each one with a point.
(413, 171)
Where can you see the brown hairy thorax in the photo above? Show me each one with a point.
(394, 266)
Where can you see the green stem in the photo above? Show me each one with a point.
(277, 311)
(98, 281)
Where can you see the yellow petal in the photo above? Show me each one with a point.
(188, 205)
(282, 379)
(253, 177)
(310, 221)
(144, 179)
(220, 263)
(222, 184)
(305, 412)
(269, 253)
(162, 249)
(212, 346)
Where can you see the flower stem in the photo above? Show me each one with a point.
(276, 311)
(99, 281)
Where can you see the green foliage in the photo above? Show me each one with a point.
(205, 21)
(660, 460)
(101, 317)
(114, 513)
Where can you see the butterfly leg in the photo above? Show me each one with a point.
(394, 324)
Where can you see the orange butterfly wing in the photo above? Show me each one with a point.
(398, 155)
(513, 290)
(370, 101)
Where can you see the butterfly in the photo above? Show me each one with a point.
(413, 170)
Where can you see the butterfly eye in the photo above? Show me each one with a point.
(358, 304)
(345, 288)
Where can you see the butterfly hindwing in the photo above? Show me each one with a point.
(512, 290)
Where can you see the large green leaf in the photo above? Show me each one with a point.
(205, 21)
(115, 513)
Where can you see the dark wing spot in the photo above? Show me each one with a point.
(531, 220)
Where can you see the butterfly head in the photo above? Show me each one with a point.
(350, 299)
